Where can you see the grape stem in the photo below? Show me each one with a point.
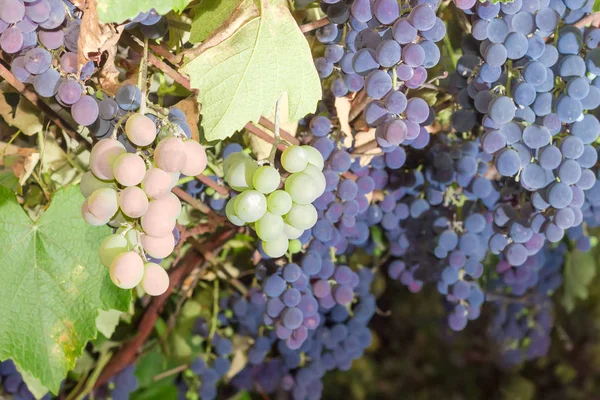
(276, 138)
(143, 76)
(213, 323)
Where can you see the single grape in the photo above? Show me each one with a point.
(231, 215)
(37, 60)
(46, 85)
(170, 154)
(277, 247)
(294, 159)
(266, 179)
(170, 204)
(129, 98)
(70, 91)
(302, 188)
(250, 205)
(11, 40)
(302, 216)
(53, 40)
(156, 280)
(91, 218)
(103, 203)
(195, 158)
(279, 202)
(314, 157)
(103, 156)
(239, 169)
(269, 227)
(133, 202)
(158, 247)
(157, 183)
(157, 221)
(111, 247)
(127, 270)
(140, 129)
(85, 110)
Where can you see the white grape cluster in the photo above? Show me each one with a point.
(132, 192)
(277, 216)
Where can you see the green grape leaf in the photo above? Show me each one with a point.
(52, 285)
(596, 6)
(243, 68)
(208, 16)
(119, 10)
(580, 269)
(107, 322)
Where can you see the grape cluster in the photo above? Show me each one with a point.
(278, 216)
(11, 382)
(385, 45)
(130, 188)
(35, 34)
(120, 386)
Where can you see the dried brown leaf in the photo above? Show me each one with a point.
(366, 140)
(191, 110)
(343, 106)
(98, 42)
(21, 160)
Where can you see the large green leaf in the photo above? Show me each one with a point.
(52, 286)
(121, 10)
(580, 269)
(209, 15)
(241, 77)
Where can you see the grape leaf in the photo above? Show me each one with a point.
(119, 10)
(596, 6)
(52, 286)
(580, 269)
(208, 16)
(242, 71)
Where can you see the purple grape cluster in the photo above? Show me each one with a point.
(386, 50)
(11, 382)
(120, 387)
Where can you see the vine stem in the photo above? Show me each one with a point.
(276, 138)
(143, 76)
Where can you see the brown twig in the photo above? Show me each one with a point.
(222, 190)
(284, 134)
(37, 101)
(363, 148)
(157, 48)
(128, 353)
(593, 19)
(250, 127)
(311, 26)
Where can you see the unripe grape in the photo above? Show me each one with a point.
(301, 187)
(266, 179)
(130, 234)
(91, 218)
(89, 183)
(319, 179)
(170, 203)
(112, 246)
(233, 158)
(230, 212)
(158, 247)
(157, 183)
(269, 227)
(314, 157)
(276, 248)
(250, 205)
(170, 154)
(127, 270)
(239, 174)
(294, 246)
(302, 216)
(133, 202)
(195, 158)
(103, 155)
(156, 279)
(291, 232)
(157, 221)
(294, 159)
(129, 169)
(279, 202)
(103, 203)
(140, 130)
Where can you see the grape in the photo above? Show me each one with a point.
(57, 15)
(314, 157)
(155, 280)
(239, 169)
(69, 91)
(327, 34)
(568, 109)
(524, 93)
(157, 183)
(89, 183)
(437, 32)
(302, 216)
(302, 188)
(103, 203)
(508, 162)
(129, 98)
(85, 110)
(68, 63)
(413, 55)
(361, 10)
(388, 53)
(38, 11)
(266, 179)
(422, 17)
(140, 129)
(279, 202)
(170, 204)
(291, 232)
(559, 195)
(516, 45)
(230, 213)
(377, 84)
(294, 159)
(320, 126)
(158, 247)
(157, 221)
(417, 110)
(269, 227)
(111, 247)
(364, 61)
(103, 156)
(536, 137)
(501, 110)
(569, 172)
(11, 40)
(133, 202)
(127, 270)
(386, 11)
(250, 206)
(170, 155)
(277, 247)
(432, 54)
(25, 26)
(17, 67)
(90, 218)
(323, 67)
(334, 53)
(11, 11)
